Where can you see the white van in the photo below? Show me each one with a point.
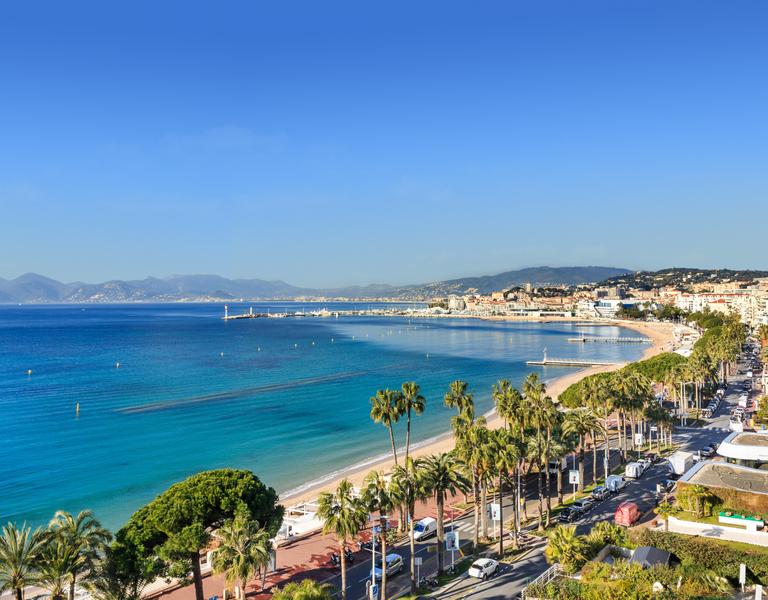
(635, 470)
(557, 464)
(424, 528)
(615, 483)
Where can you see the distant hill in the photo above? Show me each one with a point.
(683, 278)
(538, 276)
(33, 288)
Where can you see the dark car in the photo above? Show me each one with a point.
(651, 458)
(583, 504)
(601, 492)
(568, 515)
(664, 486)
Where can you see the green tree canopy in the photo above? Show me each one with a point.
(176, 524)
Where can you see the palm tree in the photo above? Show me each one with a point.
(542, 417)
(344, 515)
(694, 497)
(411, 400)
(506, 454)
(597, 394)
(442, 476)
(385, 409)
(408, 485)
(559, 447)
(85, 538)
(19, 551)
(567, 548)
(580, 422)
(535, 453)
(507, 400)
(459, 397)
(471, 448)
(665, 510)
(677, 376)
(54, 566)
(244, 552)
(377, 497)
(307, 589)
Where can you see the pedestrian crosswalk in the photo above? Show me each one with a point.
(465, 526)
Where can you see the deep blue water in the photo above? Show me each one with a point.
(288, 398)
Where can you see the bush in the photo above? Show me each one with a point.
(721, 557)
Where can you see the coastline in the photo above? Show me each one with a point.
(661, 340)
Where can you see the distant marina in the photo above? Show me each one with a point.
(323, 312)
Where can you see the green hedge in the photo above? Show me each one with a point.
(723, 558)
(655, 368)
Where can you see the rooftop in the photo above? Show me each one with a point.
(745, 446)
(749, 439)
(648, 556)
(724, 475)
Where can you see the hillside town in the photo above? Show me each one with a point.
(746, 299)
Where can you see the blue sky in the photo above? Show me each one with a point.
(329, 143)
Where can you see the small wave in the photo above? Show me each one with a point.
(251, 391)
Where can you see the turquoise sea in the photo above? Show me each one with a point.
(286, 398)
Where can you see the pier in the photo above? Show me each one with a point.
(393, 312)
(608, 340)
(568, 362)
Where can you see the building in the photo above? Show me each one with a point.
(456, 303)
(739, 488)
(745, 449)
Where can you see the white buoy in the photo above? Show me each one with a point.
(313, 343)
(77, 409)
(331, 340)
(221, 354)
(29, 371)
(259, 348)
(295, 345)
(117, 365)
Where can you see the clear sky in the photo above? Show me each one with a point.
(328, 143)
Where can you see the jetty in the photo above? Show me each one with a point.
(568, 362)
(324, 312)
(583, 339)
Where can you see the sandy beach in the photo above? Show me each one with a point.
(661, 340)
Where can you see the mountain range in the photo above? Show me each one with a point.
(33, 288)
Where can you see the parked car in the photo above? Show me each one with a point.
(651, 458)
(568, 515)
(665, 486)
(600, 492)
(583, 504)
(627, 514)
(394, 566)
(483, 568)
